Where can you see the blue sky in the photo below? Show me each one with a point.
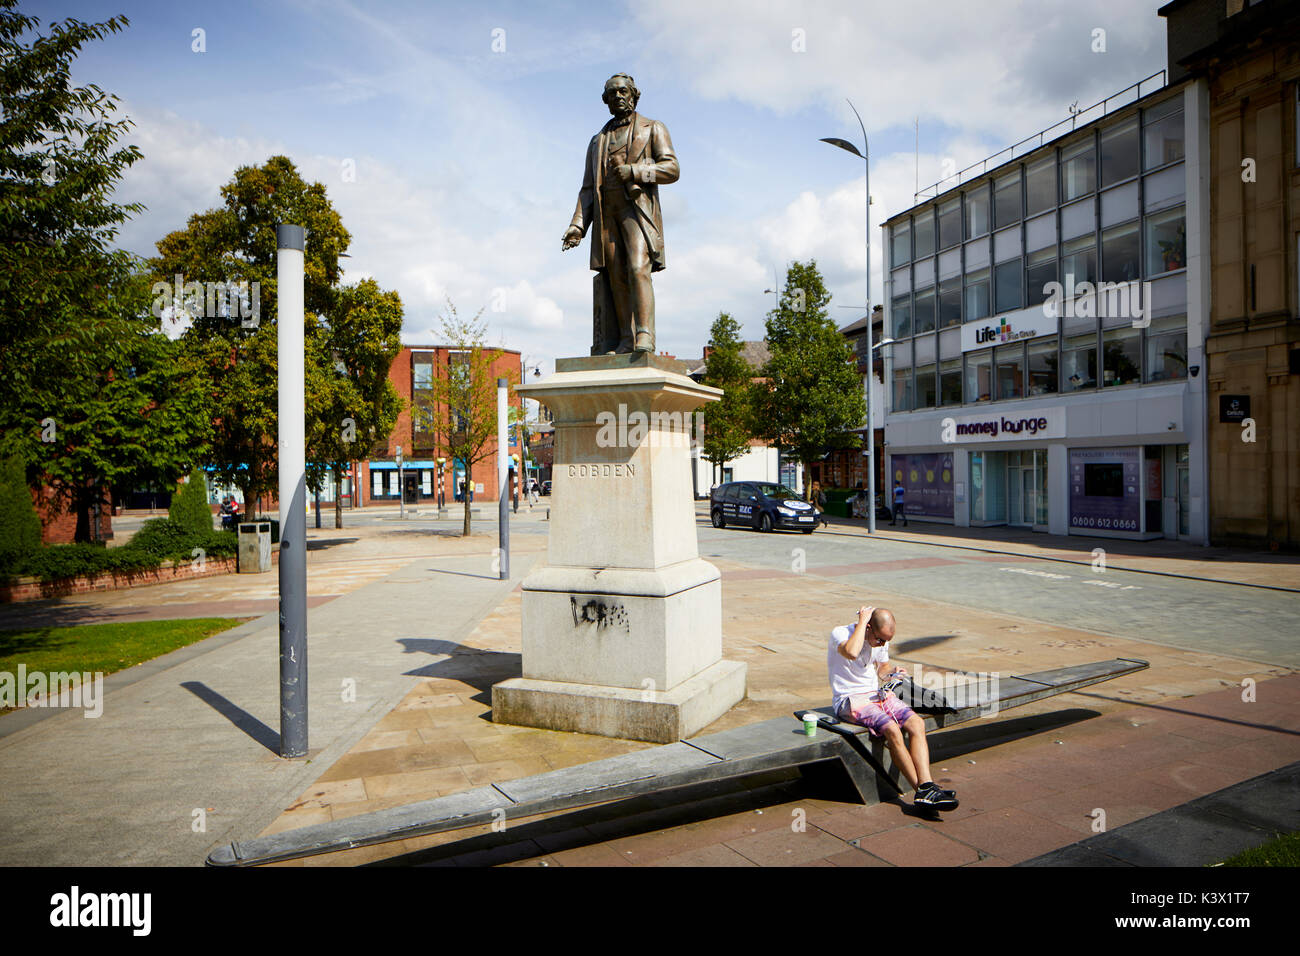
(467, 125)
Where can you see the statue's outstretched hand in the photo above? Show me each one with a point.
(572, 236)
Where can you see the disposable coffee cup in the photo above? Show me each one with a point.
(810, 724)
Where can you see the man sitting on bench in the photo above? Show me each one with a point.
(858, 661)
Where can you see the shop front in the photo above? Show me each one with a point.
(1056, 468)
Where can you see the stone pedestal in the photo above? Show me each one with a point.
(622, 628)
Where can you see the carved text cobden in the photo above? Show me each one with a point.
(603, 471)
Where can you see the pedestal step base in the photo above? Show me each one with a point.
(657, 716)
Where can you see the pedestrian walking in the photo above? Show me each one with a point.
(898, 503)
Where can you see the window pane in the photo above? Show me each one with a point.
(950, 223)
(902, 390)
(1079, 363)
(950, 302)
(1041, 271)
(1079, 259)
(1042, 366)
(979, 370)
(901, 249)
(423, 373)
(901, 315)
(950, 382)
(1040, 186)
(1119, 253)
(1119, 153)
(977, 295)
(1006, 200)
(1040, 233)
(924, 229)
(1078, 171)
(1011, 370)
(1121, 357)
(926, 393)
(1162, 138)
(1007, 284)
(1167, 349)
(1166, 241)
(977, 212)
(923, 312)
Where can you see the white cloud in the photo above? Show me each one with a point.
(948, 60)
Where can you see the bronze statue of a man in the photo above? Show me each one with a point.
(619, 202)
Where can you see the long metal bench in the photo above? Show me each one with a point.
(774, 744)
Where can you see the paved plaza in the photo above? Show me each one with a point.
(409, 628)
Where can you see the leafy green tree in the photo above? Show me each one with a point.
(727, 422)
(461, 406)
(351, 403)
(348, 334)
(812, 396)
(20, 527)
(189, 507)
(91, 395)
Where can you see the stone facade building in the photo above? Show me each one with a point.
(1248, 57)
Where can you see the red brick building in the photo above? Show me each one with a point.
(420, 478)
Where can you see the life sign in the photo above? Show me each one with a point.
(1005, 329)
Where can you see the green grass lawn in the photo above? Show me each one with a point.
(1282, 851)
(103, 648)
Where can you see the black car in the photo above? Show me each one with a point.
(761, 505)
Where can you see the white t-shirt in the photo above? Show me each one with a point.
(852, 677)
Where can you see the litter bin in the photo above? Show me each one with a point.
(254, 547)
(837, 501)
(275, 527)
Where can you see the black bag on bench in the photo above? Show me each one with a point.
(920, 699)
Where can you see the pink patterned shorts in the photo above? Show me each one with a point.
(875, 715)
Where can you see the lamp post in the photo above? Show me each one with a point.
(871, 423)
(401, 491)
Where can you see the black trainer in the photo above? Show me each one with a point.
(935, 798)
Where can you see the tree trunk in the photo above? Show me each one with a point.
(82, 505)
(338, 500)
(468, 492)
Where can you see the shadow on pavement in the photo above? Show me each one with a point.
(982, 735)
(44, 614)
(241, 718)
(920, 643)
(478, 668)
(1191, 713)
(320, 544)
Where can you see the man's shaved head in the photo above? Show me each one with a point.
(882, 622)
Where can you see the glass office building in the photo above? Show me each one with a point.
(1049, 319)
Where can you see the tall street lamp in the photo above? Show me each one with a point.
(871, 423)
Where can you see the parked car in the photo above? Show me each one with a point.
(546, 487)
(761, 505)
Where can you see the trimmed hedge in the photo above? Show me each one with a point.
(158, 540)
(189, 507)
(20, 527)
